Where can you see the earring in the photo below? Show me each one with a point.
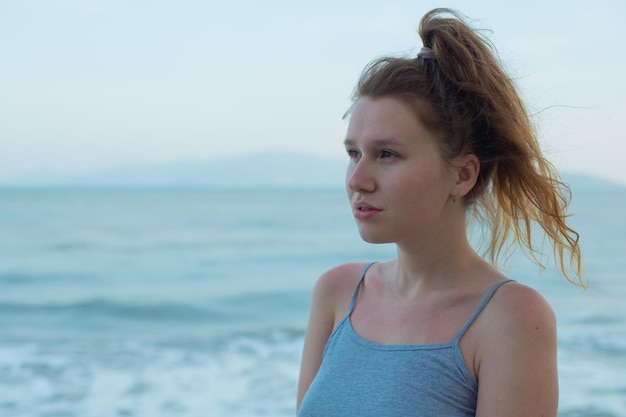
(455, 197)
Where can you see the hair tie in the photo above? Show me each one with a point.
(426, 53)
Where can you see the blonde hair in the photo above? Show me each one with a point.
(461, 93)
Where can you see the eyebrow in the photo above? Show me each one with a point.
(376, 142)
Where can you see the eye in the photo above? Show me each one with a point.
(353, 154)
(387, 154)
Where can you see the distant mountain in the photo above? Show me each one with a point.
(257, 170)
(250, 171)
(581, 182)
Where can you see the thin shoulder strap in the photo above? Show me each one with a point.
(480, 308)
(358, 286)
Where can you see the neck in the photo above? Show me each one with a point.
(445, 262)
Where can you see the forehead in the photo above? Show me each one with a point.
(384, 118)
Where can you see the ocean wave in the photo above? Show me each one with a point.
(243, 374)
(25, 278)
(69, 246)
(115, 310)
(160, 318)
(588, 412)
(609, 345)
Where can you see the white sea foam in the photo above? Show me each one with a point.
(247, 375)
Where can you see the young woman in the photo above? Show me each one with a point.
(439, 331)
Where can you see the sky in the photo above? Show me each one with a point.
(87, 85)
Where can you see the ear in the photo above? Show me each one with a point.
(466, 169)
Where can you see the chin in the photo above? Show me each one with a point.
(374, 238)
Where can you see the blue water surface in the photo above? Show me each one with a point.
(174, 302)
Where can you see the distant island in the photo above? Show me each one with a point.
(249, 171)
(271, 170)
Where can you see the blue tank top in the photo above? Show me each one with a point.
(361, 378)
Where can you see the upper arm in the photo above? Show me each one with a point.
(517, 358)
(331, 297)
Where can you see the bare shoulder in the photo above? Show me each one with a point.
(516, 355)
(331, 298)
(334, 288)
(518, 315)
(518, 308)
(341, 273)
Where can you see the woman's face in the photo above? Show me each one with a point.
(398, 184)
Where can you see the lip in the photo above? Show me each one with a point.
(364, 211)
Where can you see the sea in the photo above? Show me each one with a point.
(156, 302)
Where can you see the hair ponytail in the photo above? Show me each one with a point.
(462, 94)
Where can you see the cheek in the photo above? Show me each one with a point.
(427, 187)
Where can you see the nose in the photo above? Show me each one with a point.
(360, 176)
